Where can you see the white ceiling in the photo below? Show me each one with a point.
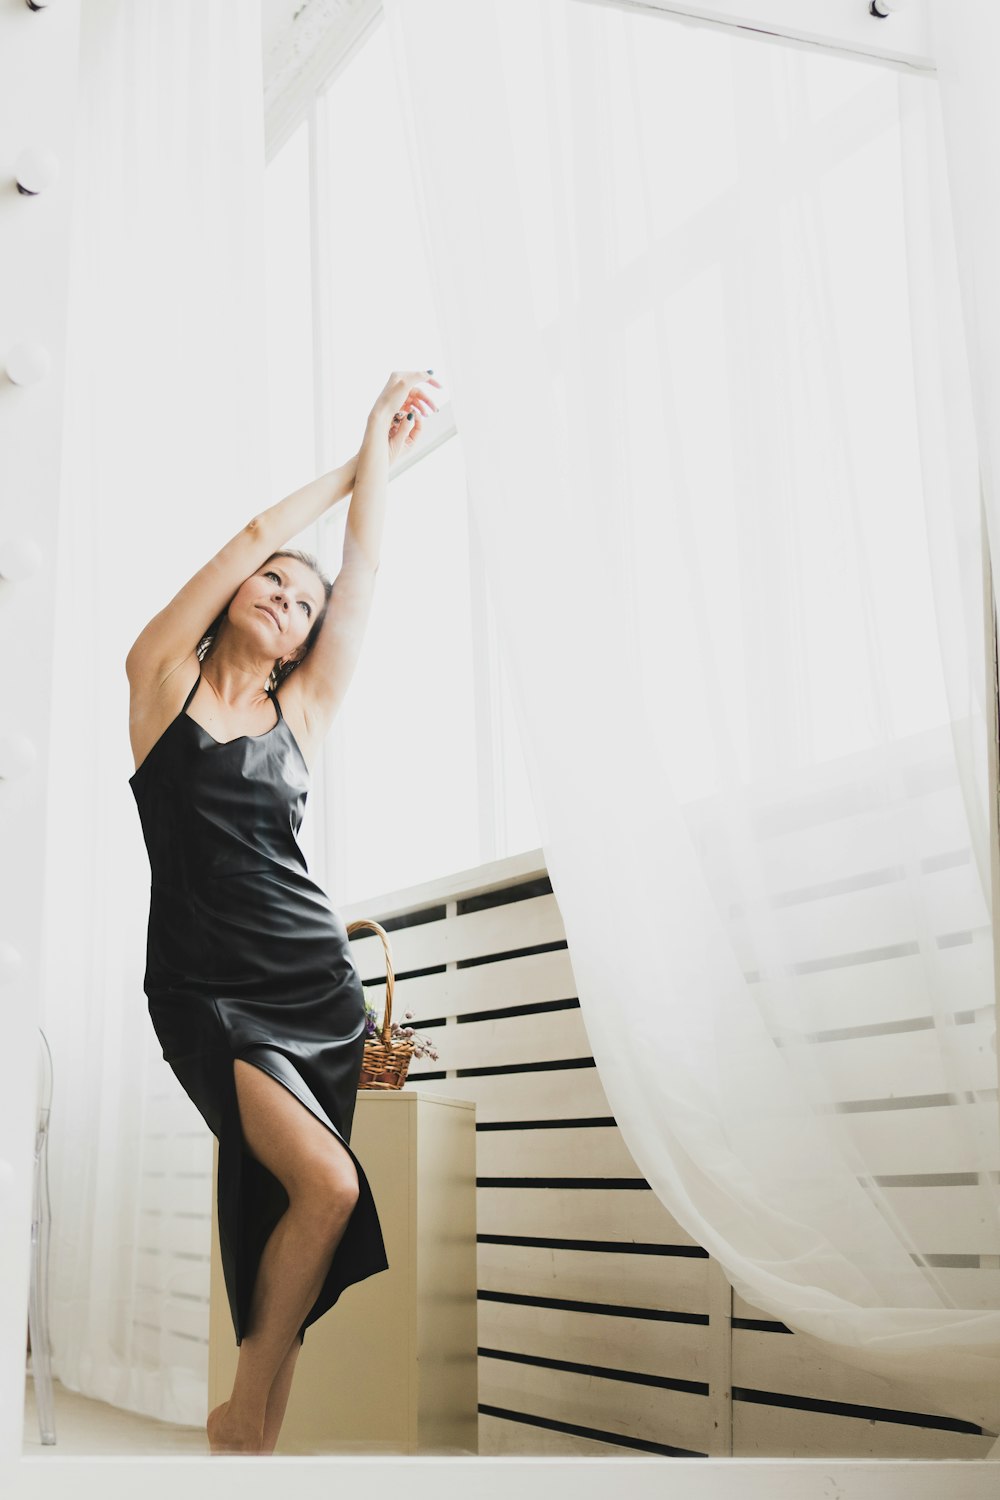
(302, 41)
(275, 17)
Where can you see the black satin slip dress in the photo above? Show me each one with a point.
(246, 957)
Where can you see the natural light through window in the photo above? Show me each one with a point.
(408, 774)
(430, 678)
(423, 768)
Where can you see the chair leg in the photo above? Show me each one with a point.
(38, 1294)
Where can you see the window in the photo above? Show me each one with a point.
(423, 773)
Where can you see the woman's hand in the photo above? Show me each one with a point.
(399, 408)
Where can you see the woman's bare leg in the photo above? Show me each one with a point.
(277, 1399)
(321, 1181)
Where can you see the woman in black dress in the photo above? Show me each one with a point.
(252, 990)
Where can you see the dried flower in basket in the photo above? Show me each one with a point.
(422, 1045)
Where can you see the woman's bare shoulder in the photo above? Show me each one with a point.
(155, 700)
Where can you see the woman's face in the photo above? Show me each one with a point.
(279, 604)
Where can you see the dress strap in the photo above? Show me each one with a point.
(191, 694)
(272, 694)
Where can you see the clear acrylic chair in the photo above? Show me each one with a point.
(38, 1296)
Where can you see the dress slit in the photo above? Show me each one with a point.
(251, 1200)
(246, 958)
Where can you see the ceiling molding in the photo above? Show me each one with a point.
(305, 51)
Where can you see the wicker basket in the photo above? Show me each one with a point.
(385, 1061)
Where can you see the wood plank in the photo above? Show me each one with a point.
(948, 1220)
(578, 1213)
(866, 1068)
(862, 989)
(968, 1287)
(795, 1366)
(840, 809)
(907, 1063)
(655, 1413)
(166, 1274)
(720, 1362)
(173, 1315)
(497, 875)
(645, 1346)
(543, 1094)
(964, 1287)
(526, 979)
(477, 934)
(499, 1436)
(877, 913)
(170, 1192)
(160, 1347)
(671, 1283)
(747, 1310)
(557, 1151)
(179, 1154)
(782, 1432)
(952, 1138)
(552, 1036)
(170, 1232)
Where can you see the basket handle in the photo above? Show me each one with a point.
(389, 977)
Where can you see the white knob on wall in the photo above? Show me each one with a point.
(20, 557)
(11, 962)
(36, 169)
(27, 363)
(17, 755)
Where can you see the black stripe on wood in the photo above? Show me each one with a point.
(525, 890)
(507, 1012)
(398, 974)
(556, 1066)
(602, 1372)
(614, 1184)
(560, 1065)
(606, 1122)
(643, 1445)
(602, 1309)
(887, 1028)
(862, 1413)
(629, 1247)
(894, 1102)
(418, 918)
(501, 955)
(949, 1262)
(503, 1013)
(929, 1179)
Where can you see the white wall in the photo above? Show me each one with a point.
(38, 73)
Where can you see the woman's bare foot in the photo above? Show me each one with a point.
(226, 1436)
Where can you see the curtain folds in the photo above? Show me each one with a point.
(700, 309)
(165, 416)
(965, 39)
(703, 320)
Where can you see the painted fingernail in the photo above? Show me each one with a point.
(409, 416)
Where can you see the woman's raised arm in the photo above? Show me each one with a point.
(174, 633)
(393, 426)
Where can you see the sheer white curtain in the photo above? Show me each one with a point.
(965, 40)
(165, 457)
(714, 404)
